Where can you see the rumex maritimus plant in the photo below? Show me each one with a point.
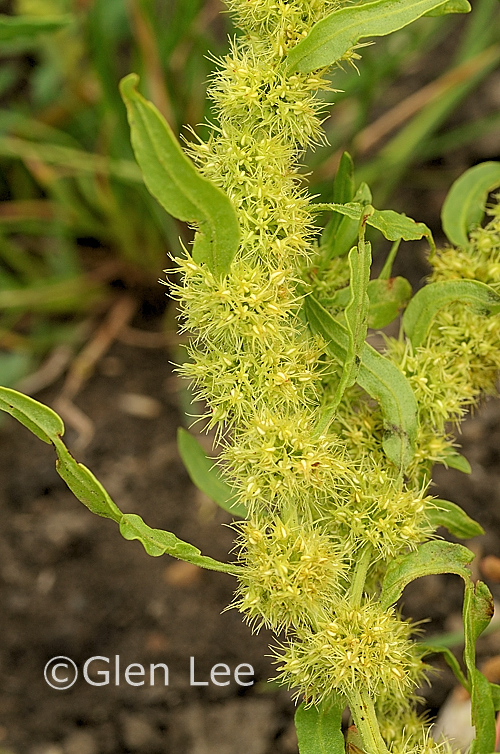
(328, 445)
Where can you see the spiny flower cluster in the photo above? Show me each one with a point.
(282, 464)
(283, 23)
(383, 511)
(289, 571)
(358, 648)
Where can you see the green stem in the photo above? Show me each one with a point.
(365, 719)
(359, 577)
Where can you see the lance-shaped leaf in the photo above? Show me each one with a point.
(477, 613)
(48, 426)
(157, 542)
(334, 36)
(392, 225)
(464, 206)
(28, 27)
(430, 299)
(450, 659)
(453, 518)
(356, 316)
(174, 181)
(495, 695)
(451, 6)
(455, 460)
(431, 557)
(205, 475)
(339, 239)
(380, 378)
(343, 192)
(319, 729)
(39, 419)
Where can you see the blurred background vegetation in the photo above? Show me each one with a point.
(81, 241)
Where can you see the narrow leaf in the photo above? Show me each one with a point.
(28, 27)
(431, 557)
(341, 242)
(394, 226)
(455, 460)
(454, 519)
(48, 426)
(174, 181)
(380, 378)
(451, 6)
(319, 730)
(343, 192)
(477, 613)
(84, 485)
(464, 206)
(157, 542)
(334, 36)
(356, 315)
(430, 299)
(449, 658)
(495, 695)
(39, 419)
(205, 475)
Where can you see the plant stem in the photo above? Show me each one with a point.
(365, 719)
(359, 576)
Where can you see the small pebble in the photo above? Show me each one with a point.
(181, 574)
(490, 568)
(137, 732)
(80, 742)
(141, 406)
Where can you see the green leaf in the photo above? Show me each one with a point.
(495, 695)
(394, 226)
(343, 192)
(319, 730)
(337, 34)
(450, 659)
(343, 239)
(157, 542)
(39, 419)
(356, 316)
(387, 299)
(84, 485)
(455, 460)
(477, 613)
(431, 557)
(453, 518)
(28, 27)
(380, 378)
(205, 475)
(430, 299)
(174, 181)
(452, 6)
(464, 206)
(48, 426)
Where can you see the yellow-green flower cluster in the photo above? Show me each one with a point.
(358, 648)
(289, 570)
